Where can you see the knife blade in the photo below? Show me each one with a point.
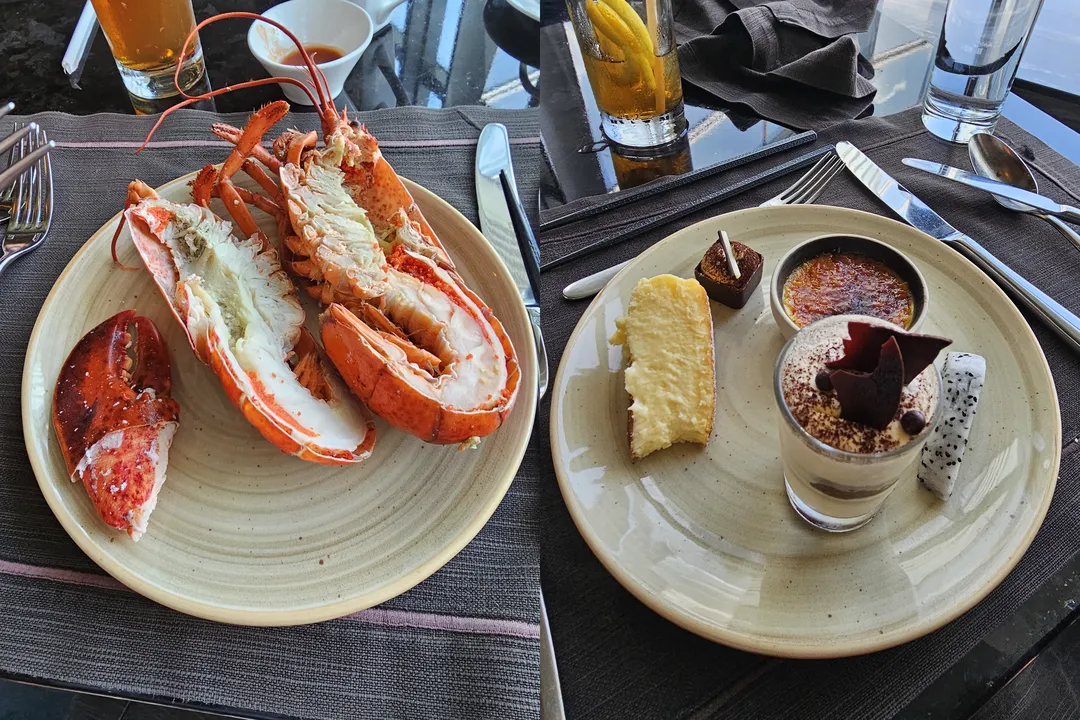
(996, 187)
(919, 215)
(505, 225)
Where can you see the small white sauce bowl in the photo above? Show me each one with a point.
(338, 24)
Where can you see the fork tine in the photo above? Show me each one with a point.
(35, 184)
(47, 170)
(19, 167)
(44, 182)
(809, 192)
(799, 186)
(16, 136)
(6, 109)
(815, 192)
(26, 186)
(13, 157)
(19, 207)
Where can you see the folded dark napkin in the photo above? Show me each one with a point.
(794, 62)
(462, 644)
(617, 658)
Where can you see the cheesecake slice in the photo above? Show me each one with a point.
(670, 375)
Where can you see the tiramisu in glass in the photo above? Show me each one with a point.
(857, 398)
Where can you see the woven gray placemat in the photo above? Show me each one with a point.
(462, 644)
(618, 659)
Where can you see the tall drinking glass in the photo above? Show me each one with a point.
(146, 37)
(630, 57)
(977, 57)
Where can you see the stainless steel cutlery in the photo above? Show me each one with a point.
(916, 213)
(506, 227)
(996, 187)
(28, 193)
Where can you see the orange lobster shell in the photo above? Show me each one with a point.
(115, 423)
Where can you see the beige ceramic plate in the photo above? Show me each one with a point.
(706, 537)
(243, 533)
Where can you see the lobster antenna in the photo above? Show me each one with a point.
(324, 98)
(322, 89)
(221, 91)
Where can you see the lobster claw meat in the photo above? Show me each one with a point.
(115, 420)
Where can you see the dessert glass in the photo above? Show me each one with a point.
(835, 489)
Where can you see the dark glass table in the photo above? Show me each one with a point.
(435, 53)
(1028, 665)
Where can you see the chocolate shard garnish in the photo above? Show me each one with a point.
(872, 398)
(862, 349)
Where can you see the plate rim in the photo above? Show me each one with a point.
(762, 645)
(303, 615)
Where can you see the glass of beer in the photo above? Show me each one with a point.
(637, 166)
(629, 51)
(146, 37)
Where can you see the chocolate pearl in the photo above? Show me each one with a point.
(823, 381)
(913, 422)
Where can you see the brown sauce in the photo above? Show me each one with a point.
(319, 54)
(846, 283)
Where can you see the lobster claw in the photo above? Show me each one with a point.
(115, 420)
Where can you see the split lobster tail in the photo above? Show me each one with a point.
(402, 393)
(243, 319)
(114, 418)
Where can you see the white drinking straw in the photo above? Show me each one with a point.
(79, 47)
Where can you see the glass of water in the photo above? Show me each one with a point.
(977, 56)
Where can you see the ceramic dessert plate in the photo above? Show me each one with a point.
(706, 537)
(243, 533)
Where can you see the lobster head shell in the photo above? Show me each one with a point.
(114, 418)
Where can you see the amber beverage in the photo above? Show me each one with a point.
(637, 166)
(629, 51)
(623, 90)
(146, 37)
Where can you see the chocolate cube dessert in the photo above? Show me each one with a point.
(713, 274)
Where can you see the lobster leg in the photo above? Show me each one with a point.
(261, 120)
(202, 187)
(262, 202)
(233, 134)
(267, 183)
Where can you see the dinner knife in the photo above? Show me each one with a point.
(1040, 202)
(506, 226)
(917, 214)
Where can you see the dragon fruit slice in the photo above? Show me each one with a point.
(962, 378)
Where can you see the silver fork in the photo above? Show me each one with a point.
(10, 144)
(31, 197)
(803, 191)
(809, 187)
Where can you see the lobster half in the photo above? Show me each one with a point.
(411, 340)
(115, 420)
(243, 319)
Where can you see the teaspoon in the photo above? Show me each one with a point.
(992, 158)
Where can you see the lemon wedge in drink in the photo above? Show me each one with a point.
(633, 43)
